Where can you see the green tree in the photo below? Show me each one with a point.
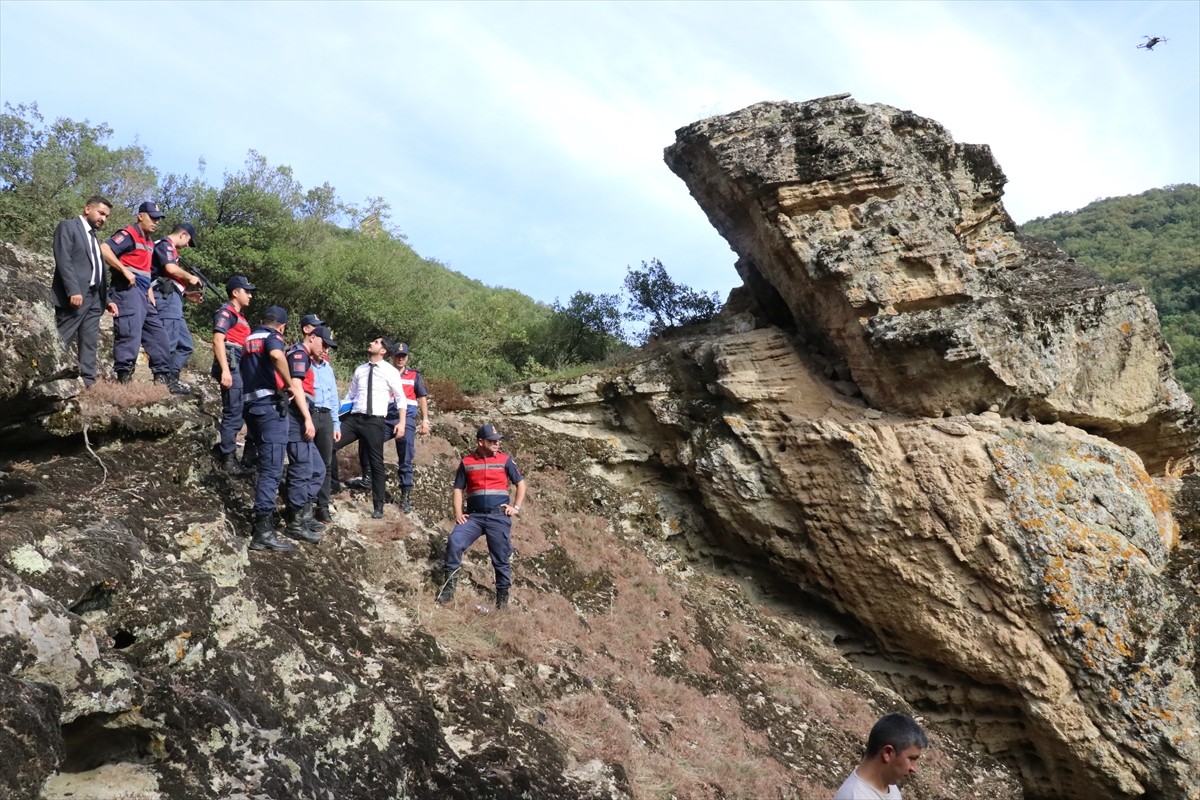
(306, 249)
(48, 170)
(584, 331)
(661, 303)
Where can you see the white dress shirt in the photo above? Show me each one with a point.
(385, 384)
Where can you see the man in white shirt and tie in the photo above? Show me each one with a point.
(80, 286)
(373, 385)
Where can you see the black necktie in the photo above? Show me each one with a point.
(94, 255)
(370, 386)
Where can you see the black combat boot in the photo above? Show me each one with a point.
(125, 377)
(322, 514)
(446, 593)
(377, 513)
(175, 381)
(310, 520)
(173, 386)
(406, 499)
(501, 599)
(264, 537)
(231, 465)
(296, 529)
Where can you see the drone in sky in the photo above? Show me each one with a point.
(1151, 42)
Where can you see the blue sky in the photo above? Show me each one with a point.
(521, 143)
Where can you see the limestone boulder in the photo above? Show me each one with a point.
(885, 241)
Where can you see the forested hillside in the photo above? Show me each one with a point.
(1151, 239)
(306, 249)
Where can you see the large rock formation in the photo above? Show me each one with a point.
(1014, 568)
(887, 242)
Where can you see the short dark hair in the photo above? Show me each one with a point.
(98, 200)
(899, 730)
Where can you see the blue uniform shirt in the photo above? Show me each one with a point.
(326, 391)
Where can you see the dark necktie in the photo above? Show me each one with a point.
(370, 387)
(94, 255)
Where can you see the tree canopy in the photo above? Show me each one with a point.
(1151, 239)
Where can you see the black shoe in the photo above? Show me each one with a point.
(501, 599)
(264, 537)
(178, 386)
(377, 514)
(125, 377)
(406, 500)
(302, 534)
(323, 515)
(269, 541)
(361, 484)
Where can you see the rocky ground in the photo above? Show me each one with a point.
(148, 654)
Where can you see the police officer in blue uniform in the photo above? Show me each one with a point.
(129, 253)
(306, 468)
(482, 480)
(172, 283)
(230, 330)
(268, 385)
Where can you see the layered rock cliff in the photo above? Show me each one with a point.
(986, 509)
(1013, 578)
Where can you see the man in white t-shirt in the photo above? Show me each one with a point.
(893, 748)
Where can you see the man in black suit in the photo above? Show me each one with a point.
(80, 286)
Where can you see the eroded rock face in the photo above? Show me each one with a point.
(37, 378)
(1013, 574)
(888, 243)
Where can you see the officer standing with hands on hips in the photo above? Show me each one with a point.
(482, 478)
